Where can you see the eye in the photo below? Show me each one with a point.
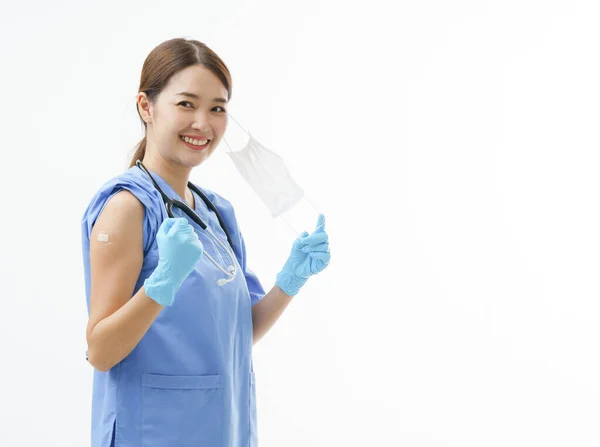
(222, 110)
(184, 102)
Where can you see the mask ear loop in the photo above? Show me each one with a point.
(297, 233)
(240, 126)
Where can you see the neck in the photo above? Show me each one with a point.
(176, 176)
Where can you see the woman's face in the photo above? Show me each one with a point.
(192, 106)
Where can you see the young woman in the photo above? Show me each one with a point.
(173, 307)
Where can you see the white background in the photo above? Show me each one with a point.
(452, 146)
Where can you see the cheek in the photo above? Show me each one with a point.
(220, 128)
(181, 122)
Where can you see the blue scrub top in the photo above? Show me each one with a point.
(190, 380)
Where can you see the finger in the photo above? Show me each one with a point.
(189, 232)
(178, 221)
(181, 225)
(318, 265)
(194, 239)
(323, 248)
(320, 228)
(318, 256)
(168, 225)
(315, 238)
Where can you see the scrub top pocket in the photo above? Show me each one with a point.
(182, 411)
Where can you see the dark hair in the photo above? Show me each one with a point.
(169, 58)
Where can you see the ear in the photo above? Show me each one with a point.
(144, 107)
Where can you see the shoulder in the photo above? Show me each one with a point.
(134, 181)
(139, 189)
(121, 219)
(129, 195)
(117, 202)
(124, 204)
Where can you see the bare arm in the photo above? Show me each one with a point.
(117, 320)
(267, 311)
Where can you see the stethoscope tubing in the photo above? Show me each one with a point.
(171, 203)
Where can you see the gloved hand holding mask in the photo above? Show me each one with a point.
(309, 256)
(266, 173)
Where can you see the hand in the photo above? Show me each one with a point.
(179, 250)
(309, 256)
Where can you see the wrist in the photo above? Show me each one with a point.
(289, 283)
(160, 286)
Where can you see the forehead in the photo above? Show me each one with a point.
(196, 79)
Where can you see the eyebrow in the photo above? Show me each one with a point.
(193, 95)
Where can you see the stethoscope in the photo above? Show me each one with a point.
(231, 271)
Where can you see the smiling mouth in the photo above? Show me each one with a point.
(197, 142)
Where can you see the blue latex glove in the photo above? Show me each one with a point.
(179, 250)
(310, 255)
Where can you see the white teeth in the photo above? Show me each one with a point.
(194, 142)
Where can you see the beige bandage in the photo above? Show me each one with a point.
(103, 237)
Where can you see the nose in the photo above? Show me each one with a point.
(201, 121)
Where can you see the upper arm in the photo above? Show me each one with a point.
(115, 264)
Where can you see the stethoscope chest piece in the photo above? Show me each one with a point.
(221, 282)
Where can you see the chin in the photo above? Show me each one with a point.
(194, 160)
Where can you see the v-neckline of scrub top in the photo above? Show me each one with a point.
(164, 185)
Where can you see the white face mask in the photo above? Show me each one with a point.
(268, 176)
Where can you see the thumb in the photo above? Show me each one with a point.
(173, 224)
(167, 224)
(320, 228)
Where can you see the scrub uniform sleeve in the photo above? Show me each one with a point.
(145, 193)
(254, 286)
(257, 292)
